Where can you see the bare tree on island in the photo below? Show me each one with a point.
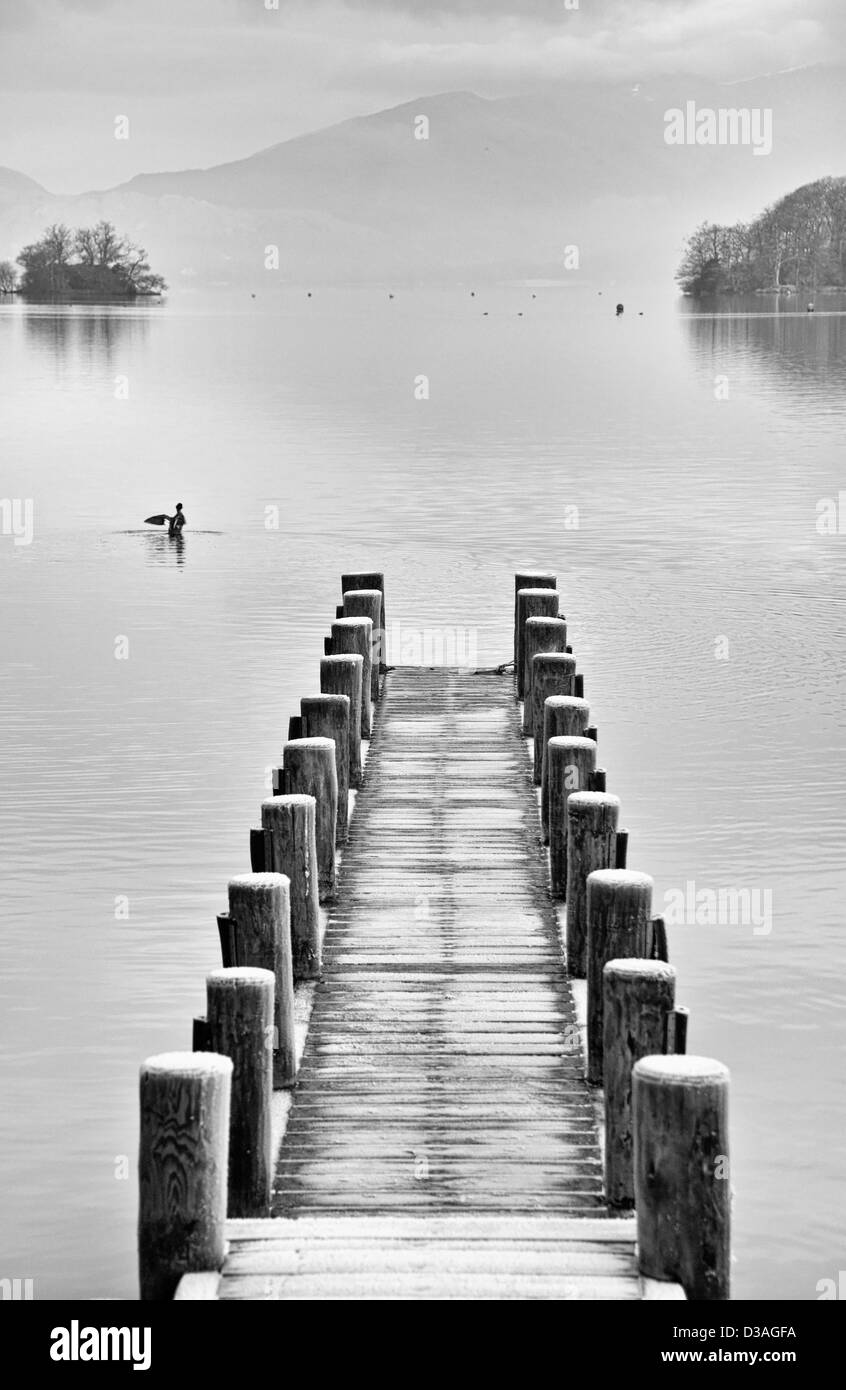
(8, 278)
(91, 260)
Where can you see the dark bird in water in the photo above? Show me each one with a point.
(621, 309)
(390, 296)
(472, 294)
(811, 308)
(485, 314)
(640, 314)
(309, 294)
(252, 296)
(534, 296)
(519, 313)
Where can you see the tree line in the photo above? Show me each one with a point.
(799, 242)
(94, 260)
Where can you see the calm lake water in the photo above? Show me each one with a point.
(705, 608)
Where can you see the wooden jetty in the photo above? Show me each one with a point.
(461, 1116)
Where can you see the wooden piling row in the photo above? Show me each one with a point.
(206, 1115)
(666, 1138)
(531, 603)
(546, 636)
(371, 579)
(563, 717)
(529, 580)
(553, 675)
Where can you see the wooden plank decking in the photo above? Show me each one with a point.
(434, 1257)
(442, 1140)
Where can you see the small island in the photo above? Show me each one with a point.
(89, 263)
(798, 244)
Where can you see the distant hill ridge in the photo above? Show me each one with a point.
(499, 190)
(15, 185)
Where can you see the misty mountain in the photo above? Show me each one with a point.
(498, 190)
(15, 186)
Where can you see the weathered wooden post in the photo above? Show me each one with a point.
(240, 1021)
(257, 863)
(570, 762)
(681, 1173)
(228, 932)
(182, 1168)
(290, 831)
(659, 949)
(563, 717)
(308, 769)
(532, 579)
(354, 637)
(639, 996)
(531, 603)
(367, 603)
(591, 837)
(619, 902)
(677, 1030)
(543, 636)
(259, 904)
(552, 678)
(342, 675)
(328, 716)
(372, 579)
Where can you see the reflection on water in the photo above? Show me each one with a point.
(804, 349)
(163, 549)
(704, 607)
(88, 334)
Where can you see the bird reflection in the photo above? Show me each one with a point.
(163, 549)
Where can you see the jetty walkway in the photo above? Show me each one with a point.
(442, 1137)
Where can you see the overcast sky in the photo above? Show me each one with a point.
(204, 81)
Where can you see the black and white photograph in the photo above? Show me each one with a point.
(422, 591)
